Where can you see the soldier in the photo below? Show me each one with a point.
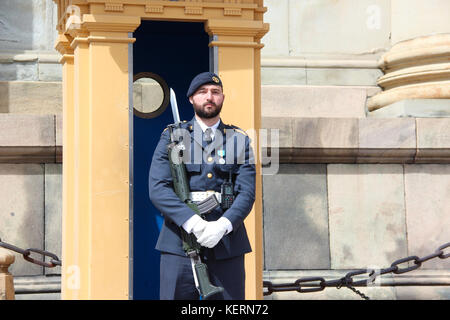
(221, 232)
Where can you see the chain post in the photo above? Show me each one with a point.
(6, 279)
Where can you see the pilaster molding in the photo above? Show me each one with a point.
(245, 30)
(91, 39)
(64, 48)
(237, 44)
(78, 38)
(66, 58)
(104, 28)
(110, 23)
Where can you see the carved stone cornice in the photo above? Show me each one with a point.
(239, 18)
(414, 69)
(161, 9)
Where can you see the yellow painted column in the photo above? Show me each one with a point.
(238, 54)
(69, 270)
(100, 244)
(78, 248)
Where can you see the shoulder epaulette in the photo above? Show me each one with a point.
(183, 122)
(237, 129)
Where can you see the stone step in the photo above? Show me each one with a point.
(31, 97)
(37, 284)
(315, 101)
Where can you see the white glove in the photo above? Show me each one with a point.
(199, 227)
(213, 232)
(194, 224)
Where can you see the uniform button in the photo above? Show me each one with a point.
(210, 159)
(209, 175)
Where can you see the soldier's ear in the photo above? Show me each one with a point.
(190, 100)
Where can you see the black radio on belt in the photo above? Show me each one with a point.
(227, 192)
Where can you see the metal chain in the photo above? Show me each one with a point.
(305, 284)
(316, 284)
(359, 293)
(54, 261)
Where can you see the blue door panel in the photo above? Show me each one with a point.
(176, 51)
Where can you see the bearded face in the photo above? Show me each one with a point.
(207, 110)
(207, 101)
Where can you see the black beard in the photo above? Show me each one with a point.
(200, 111)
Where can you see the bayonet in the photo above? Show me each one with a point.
(174, 105)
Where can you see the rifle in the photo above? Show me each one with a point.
(192, 248)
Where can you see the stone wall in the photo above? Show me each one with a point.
(31, 191)
(339, 217)
(30, 140)
(355, 189)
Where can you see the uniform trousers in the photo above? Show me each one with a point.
(177, 279)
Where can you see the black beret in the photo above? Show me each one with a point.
(201, 79)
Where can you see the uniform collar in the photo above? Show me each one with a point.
(194, 123)
(203, 126)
